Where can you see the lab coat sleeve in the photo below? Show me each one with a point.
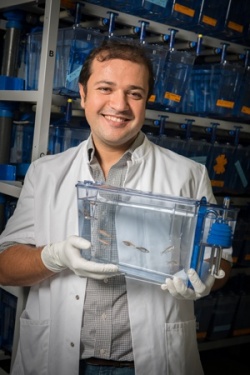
(205, 188)
(20, 227)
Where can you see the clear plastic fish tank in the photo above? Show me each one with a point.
(150, 237)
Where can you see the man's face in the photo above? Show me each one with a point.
(115, 102)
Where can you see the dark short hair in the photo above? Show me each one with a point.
(117, 49)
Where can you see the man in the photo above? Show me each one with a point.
(80, 313)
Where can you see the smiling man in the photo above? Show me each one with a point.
(83, 317)
(114, 93)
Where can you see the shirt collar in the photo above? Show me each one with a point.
(137, 142)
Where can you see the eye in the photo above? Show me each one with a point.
(136, 95)
(104, 89)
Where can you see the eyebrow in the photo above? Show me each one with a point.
(132, 87)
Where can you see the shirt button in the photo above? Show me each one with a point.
(106, 281)
(77, 297)
(72, 344)
(103, 351)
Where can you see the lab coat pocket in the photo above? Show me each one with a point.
(181, 349)
(34, 345)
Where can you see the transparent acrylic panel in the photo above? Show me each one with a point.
(150, 237)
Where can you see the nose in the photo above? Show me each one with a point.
(119, 101)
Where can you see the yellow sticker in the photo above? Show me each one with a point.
(235, 26)
(245, 109)
(152, 98)
(220, 164)
(185, 10)
(171, 96)
(215, 183)
(225, 103)
(209, 21)
(240, 332)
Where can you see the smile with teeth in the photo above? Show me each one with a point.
(115, 119)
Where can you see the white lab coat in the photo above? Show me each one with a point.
(163, 328)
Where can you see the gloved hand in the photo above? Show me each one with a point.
(179, 289)
(67, 254)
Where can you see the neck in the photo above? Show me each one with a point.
(107, 155)
(107, 158)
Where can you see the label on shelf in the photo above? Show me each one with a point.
(246, 110)
(225, 103)
(209, 21)
(235, 26)
(185, 10)
(171, 96)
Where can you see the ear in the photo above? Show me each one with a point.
(82, 94)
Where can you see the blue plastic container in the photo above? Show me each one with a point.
(7, 172)
(219, 165)
(127, 6)
(177, 72)
(242, 105)
(212, 17)
(179, 13)
(225, 86)
(175, 144)
(63, 137)
(73, 46)
(156, 10)
(157, 55)
(11, 83)
(22, 141)
(32, 59)
(238, 180)
(197, 150)
(237, 21)
(197, 98)
(80, 43)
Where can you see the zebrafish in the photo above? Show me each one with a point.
(128, 243)
(104, 233)
(104, 242)
(168, 249)
(142, 249)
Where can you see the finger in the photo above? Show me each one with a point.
(164, 287)
(195, 280)
(101, 268)
(98, 276)
(182, 289)
(79, 242)
(169, 285)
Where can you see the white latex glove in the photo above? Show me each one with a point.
(67, 254)
(179, 289)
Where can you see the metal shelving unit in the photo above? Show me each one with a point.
(42, 98)
(158, 28)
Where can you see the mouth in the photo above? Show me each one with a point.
(116, 120)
